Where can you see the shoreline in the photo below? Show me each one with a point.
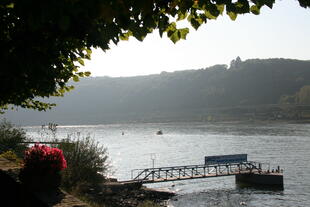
(117, 194)
(222, 121)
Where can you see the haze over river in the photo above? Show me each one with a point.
(287, 145)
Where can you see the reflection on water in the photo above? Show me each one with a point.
(220, 198)
(224, 198)
(281, 144)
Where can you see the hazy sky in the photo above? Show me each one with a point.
(283, 32)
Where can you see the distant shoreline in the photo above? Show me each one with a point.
(231, 121)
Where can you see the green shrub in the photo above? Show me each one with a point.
(11, 156)
(86, 163)
(11, 138)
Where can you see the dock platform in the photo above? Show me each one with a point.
(245, 171)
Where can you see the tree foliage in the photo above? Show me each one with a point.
(43, 43)
(300, 97)
(303, 95)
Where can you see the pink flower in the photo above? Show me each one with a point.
(43, 158)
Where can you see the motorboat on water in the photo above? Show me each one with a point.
(159, 132)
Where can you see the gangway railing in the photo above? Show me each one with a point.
(165, 174)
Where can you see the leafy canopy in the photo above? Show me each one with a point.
(43, 43)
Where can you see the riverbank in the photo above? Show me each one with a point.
(108, 194)
(116, 194)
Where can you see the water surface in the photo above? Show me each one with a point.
(281, 144)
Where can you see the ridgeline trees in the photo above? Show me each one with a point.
(180, 95)
(42, 43)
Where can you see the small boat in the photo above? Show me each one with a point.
(159, 132)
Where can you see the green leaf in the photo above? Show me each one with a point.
(181, 16)
(189, 17)
(183, 32)
(76, 78)
(196, 24)
(242, 7)
(270, 3)
(61, 91)
(11, 6)
(220, 8)
(80, 74)
(174, 36)
(177, 34)
(75, 69)
(81, 61)
(88, 53)
(138, 32)
(255, 10)
(87, 73)
(172, 27)
(209, 15)
(125, 36)
(232, 15)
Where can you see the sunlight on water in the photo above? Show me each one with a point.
(286, 145)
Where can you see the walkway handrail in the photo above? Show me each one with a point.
(161, 174)
(45, 142)
(191, 166)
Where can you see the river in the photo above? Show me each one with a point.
(287, 145)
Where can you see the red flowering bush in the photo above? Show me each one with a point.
(44, 159)
(42, 166)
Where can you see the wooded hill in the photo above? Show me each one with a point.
(183, 95)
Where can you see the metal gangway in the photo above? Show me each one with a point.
(176, 173)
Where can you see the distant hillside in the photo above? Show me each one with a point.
(173, 96)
